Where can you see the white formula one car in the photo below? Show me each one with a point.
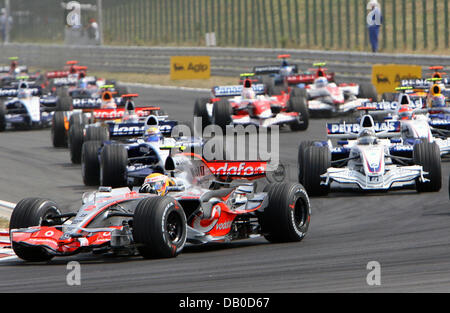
(365, 157)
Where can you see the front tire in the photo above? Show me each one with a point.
(75, 142)
(428, 155)
(287, 216)
(33, 212)
(159, 227)
(315, 163)
(2, 117)
(298, 104)
(200, 111)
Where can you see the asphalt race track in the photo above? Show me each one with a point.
(406, 232)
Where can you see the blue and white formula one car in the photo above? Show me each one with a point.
(24, 107)
(127, 162)
(370, 156)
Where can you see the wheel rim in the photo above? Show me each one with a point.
(300, 213)
(174, 227)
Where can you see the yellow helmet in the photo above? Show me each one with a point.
(156, 183)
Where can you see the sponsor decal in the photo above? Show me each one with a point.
(228, 91)
(127, 129)
(190, 67)
(238, 168)
(387, 77)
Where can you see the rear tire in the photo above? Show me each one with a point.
(301, 155)
(159, 227)
(315, 163)
(428, 155)
(2, 117)
(75, 141)
(368, 90)
(90, 165)
(33, 212)
(64, 103)
(222, 114)
(58, 130)
(96, 133)
(201, 111)
(298, 104)
(287, 216)
(113, 166)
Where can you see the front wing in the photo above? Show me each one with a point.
(394, 176)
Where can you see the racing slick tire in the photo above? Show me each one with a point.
(287, 215)
(62, 91)
(159, 227)
(201, 111)
(222, 114)
(96, 133)
(301, 155)
(33, 212)
(298, 92)
(368, 90)
(298, 104)
(78, 118)
(64, 103)
(316, 161)
(428, 155)
(388, 96)
(75, 142)
(2, 117)
(58, 130)
(90, 165)
(113, 166)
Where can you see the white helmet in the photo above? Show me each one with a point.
(321, 82)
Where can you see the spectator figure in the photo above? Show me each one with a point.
(374, 21)
(93, 31)
(5, 24)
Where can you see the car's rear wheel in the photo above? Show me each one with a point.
(287, 216)
(58, 130)
(90, 165)
(368, 91)
(200, 111)
(2, 117)
(301, 152)
(159, 227)
(75, 141)
(298, 105)
(222, 114)
(99, 133)
(33, 212)
(113, 166)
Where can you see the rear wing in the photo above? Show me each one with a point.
(233, 91)
(307, 78)
(7, 68)
(13, 92)
(199, 168)
(71, 81)
(91, 103)
(390, 106)
(112, 114)
(351, 130)
(266, 70)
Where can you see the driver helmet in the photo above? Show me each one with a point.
(156, 183)
(367, 137)
(108, 101)
(247, 91)
(286, 70)
(321, 82)
(405, 113)
(438, 101)
(152, 134)
(82, 83)
(23, 91)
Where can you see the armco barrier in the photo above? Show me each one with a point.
(349, 66)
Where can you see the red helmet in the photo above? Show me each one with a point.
(405, 112)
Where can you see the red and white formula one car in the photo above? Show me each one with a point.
(165, 213)
(248, 104)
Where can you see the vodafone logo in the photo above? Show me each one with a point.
(224, 226)
(49, 233)
(238, 169)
